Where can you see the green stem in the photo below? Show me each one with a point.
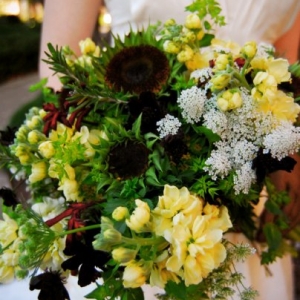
(63, 233)
(241, 79)
(143, 241)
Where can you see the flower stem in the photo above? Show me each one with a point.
(63, 233)
(143, 241)
(241, 79)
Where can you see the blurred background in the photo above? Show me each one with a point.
(20, 27)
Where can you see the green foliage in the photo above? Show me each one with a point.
(206, 8)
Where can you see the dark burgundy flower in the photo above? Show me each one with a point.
(147, 105)
(175, 146)
(51, 285)
(84, 262)
(264, 164)
(9, 197)
(128, 159)
(7, 136)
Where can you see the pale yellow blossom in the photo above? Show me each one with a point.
(249, 49)
(139, 219)
(192, 21)
(8, 230)
(120, 213)
(46, 149)
(185, 54)
(135, 274)
(123, 255)
(38, 172)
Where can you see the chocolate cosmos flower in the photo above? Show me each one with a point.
(51, 285)
(128, 159)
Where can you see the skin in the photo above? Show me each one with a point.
(63, 25)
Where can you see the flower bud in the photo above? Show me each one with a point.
(112, 236)
(192, 21)
(123, 255)
(220, 81)
(185, 54)
(34, 122)
(87, 46)
(35, 136)
(170, 22)
(120, 213)
(222, 61)
(46, 149)
(171, 47)
(249, 49)
(140, 216)
(135, 275)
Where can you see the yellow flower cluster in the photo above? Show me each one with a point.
(269, 98)
(185, 45)
(9, 241)
(194, 231)
(87, 48)
(186, 232)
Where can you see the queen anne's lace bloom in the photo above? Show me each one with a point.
(169, 125)
(191, 101)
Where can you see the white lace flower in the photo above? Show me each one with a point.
(282, 141)
(191, 101)
(168, 125)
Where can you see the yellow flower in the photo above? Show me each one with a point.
(185, 54)
(87, 46)
(140, 217)
(259, 63)
(135, 274)
(193, 247)
(175, 200)
(279, 69)
(280, 104)
(192, 21)
(222, 61)
(120, 213)
(160, 275)
(38, 172)
(46, 149)
(198, 61)
(123, 255)
(220, 81)
(69, 185)
(171, 47)
(263, 81)
(249, 49)
(8, 230)
(230, 99)
(232, 47)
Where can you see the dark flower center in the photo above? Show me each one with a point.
(128, 159)
(138, 69)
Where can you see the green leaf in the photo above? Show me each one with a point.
(178, 291)
(273, 235)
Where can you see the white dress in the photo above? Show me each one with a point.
(259, 20)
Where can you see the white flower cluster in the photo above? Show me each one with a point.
(191, 101)
(168, 125)
(282, 141)
(243, 131)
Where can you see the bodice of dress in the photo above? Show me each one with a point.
(259, 20)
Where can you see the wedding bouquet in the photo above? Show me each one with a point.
(153, 149)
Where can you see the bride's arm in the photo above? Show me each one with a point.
(66, 23)
(288, 44)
